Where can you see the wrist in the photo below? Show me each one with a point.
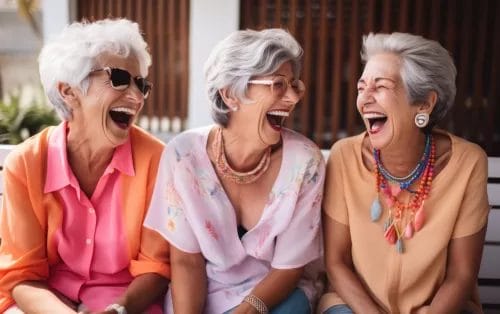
(256, 303)
(118, 308)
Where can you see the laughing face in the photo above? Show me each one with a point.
(106, 113)
(383, 102)
(272, 103)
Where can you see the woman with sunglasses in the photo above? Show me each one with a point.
(239, 201)
(76, 194)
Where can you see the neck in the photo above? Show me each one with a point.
(243, 152)
(401, 159)
(86, 152)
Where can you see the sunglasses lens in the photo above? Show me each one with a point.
(143, 85)
(120, 79)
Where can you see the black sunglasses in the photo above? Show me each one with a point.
(120, 80)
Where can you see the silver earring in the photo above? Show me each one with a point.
(233, 109)
(422, 119)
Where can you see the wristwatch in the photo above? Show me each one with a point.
(118, 308)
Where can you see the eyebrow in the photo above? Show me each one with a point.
(377, 79)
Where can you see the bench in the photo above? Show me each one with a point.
(489, 273)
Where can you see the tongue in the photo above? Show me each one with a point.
(275, 121)
(377, 125)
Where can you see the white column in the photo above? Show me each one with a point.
(210, 22)
(56, 15)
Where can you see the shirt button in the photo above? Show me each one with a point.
(91, 210)
(88, 241)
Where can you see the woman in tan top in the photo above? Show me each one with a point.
(405, 206)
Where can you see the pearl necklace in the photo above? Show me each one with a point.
(402, 219)
(228, 172)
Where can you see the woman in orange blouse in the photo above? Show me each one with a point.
(76, 194)
(405, 205)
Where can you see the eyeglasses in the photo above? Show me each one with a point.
(279, 85)
(120, 80)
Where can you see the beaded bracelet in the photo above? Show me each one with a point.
(257, 303)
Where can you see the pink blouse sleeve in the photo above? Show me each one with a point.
(166, 213)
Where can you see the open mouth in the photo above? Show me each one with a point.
(375, 120)
(122, 116)
(276, 118)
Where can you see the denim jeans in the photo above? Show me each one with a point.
(295, 303)
(339, 309)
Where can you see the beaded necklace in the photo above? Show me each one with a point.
(403, 219)
(228, 172)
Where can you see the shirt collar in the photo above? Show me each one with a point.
(59, 173)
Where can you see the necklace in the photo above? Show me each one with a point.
(407, 181)
(403, 219)
(228, 172)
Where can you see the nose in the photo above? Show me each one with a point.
(133, 93)
(291, 95)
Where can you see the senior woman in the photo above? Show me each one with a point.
(239, 201)
(76, 194)
(405, 207)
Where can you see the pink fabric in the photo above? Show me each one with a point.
(92, 241)
(191, 210)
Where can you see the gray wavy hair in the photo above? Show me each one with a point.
(71, 56)
(426, 66)
(241, 56)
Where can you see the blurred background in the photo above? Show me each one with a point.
(181, 33)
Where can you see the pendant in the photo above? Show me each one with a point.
(409, 230)
(390, 234)
(419, 218)
(400, 246)
(376, 210)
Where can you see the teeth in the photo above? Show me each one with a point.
(125, 109)
(279, 113)
(373, 115)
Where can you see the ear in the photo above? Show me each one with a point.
(68, 94)
(229, 99)
(428, 105)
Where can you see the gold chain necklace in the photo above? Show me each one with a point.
(225, 169)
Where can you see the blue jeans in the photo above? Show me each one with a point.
(295, 303)
(339, 309)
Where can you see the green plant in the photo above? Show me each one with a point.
(19, 120)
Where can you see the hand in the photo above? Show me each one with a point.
(97, 312)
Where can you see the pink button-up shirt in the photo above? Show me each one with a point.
(91, 241)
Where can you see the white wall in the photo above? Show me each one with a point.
(210, 22)
(56, 15)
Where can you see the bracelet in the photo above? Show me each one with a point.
(118, 308)
(257, 303)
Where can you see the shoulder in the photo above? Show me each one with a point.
(347, 145)
(299, 145)
(467, 152)
(142, 140)
(31, 152)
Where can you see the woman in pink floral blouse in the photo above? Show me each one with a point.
(240, 200)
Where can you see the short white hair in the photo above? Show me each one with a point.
(243, 55)
(425, 66)
(71, 56)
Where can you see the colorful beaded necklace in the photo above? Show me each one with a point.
(229, 173)
(403, 219)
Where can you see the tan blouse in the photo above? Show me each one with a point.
(457, 207)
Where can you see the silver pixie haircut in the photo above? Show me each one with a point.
(71, 56)
(425, 66)
(243, 55)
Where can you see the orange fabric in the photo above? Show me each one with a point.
(29, 217)
(457, 207)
